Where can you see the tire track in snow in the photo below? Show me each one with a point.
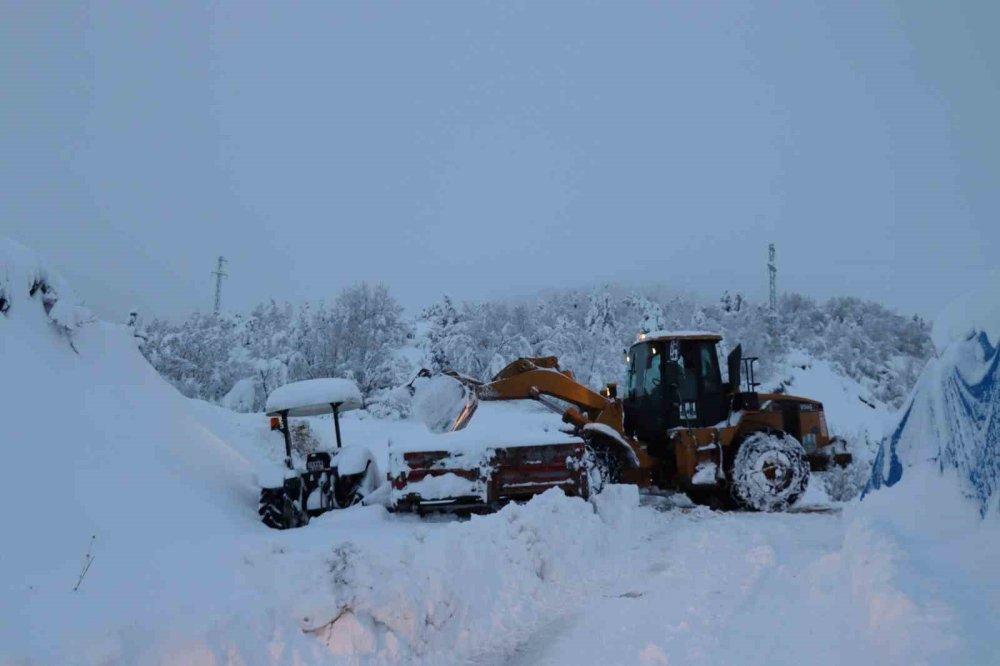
(707, 588)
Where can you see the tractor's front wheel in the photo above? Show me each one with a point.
(277, 510)
(770, 472)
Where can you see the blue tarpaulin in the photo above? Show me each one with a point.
(952, 420)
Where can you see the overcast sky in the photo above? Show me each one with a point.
(486, 149)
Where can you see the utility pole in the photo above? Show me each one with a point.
(773, 271)
(220, 273)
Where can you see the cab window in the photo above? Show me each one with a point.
(637, 367)
(652, 377)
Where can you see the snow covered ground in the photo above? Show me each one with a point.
(102, 454)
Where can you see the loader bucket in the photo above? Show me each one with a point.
(444, 403)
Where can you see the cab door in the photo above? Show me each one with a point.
(651, 415)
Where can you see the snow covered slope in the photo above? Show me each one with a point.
(851, 411)
(97, 447)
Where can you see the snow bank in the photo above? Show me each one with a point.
(478, 588)
(921, 568)
(98, 448)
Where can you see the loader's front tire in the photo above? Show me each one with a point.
(277, 510)
(770, 472)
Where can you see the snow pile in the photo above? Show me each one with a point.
(477, 588)
(921, 569)
(438, 401)
(511, 423)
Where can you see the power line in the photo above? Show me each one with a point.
(219, 273)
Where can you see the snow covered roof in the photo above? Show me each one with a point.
(313, 397)
(668, 335)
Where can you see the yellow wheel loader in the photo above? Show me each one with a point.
(677, 426)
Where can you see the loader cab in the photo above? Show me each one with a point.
(674, 380)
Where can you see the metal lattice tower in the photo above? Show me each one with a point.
(773, 271)
(219, 273)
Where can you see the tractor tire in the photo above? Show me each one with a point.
(277, 510)
(603, 468)
(770, 472)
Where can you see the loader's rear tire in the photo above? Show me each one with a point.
(770, 472)
(277, 510)
(603, 468)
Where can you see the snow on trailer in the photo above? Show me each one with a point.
(466, 469)
(330, 480)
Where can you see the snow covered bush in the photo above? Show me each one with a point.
(23, 275)
(394, 403)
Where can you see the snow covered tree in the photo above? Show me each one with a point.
(360, 333)
(369, 327)
(603, 339)
(445, 325)
(648, 313)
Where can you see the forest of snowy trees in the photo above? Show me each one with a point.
(236, 359)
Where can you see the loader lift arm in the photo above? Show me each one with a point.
(592, 414)
(532, 378)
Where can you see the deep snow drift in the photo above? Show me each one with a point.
(97, 446)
